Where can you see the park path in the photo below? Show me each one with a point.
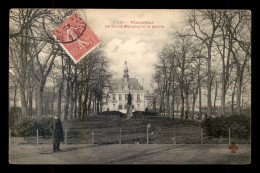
(129, 154)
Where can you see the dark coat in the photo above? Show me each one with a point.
(57, 130)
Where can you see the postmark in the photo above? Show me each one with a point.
(75, 37)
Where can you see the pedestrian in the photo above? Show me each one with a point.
(57, 133)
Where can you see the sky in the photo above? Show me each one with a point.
(138, 46)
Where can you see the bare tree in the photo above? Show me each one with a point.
(21, 20)
(203, 25)
(240, 30)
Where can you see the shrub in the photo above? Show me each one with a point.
(28, 126)
(238, 124)
(144, 113)
(14, 113)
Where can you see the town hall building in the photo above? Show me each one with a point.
(118, 93)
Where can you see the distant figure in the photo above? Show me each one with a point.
(57, 133)
(121, 115)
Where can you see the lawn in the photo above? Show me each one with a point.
(106, 130)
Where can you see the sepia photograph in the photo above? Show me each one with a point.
(129, 86)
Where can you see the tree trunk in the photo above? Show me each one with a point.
(30, 110)
(182, 105)
(173, 99)
(187, 106)
(238, 98)
(80, 102)
(223, 101)
(85, 106)
(232, 98)
(36, 102)
(67, 101)
(68, 91)
(200, 103)
(61, 86)
(209, 82)
(72, 100)
(40, 112)
(193, 105)
(15, 90)
(76, 93)
(232, 103)
(89, 104)
(154, 104)
(23, 100)
(163, 104)
(177, 102)
(97, 107)
(168, 103)
(215, 98)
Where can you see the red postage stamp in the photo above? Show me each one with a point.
(75, 37)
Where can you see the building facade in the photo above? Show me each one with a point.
(117, 94)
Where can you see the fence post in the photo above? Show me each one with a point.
(66, 136)
(229, 137)
(174, 136)
(120, 136)
(37, 136)
(201, 135)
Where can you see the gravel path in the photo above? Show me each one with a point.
(129, 154)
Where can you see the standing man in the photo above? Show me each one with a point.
(57, 133)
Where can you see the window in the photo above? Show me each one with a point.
(120, 96)
(125, 106)
(114, 97)
(133, 107)
(138, 97)
(114, 106)
(132, 95)
(126, 96)
(120, 107)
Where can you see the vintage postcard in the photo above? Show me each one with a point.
(129, 86)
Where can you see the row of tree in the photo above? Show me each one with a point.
(212, 51)
(48, 81)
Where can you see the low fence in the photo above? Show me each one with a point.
(142, 135)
